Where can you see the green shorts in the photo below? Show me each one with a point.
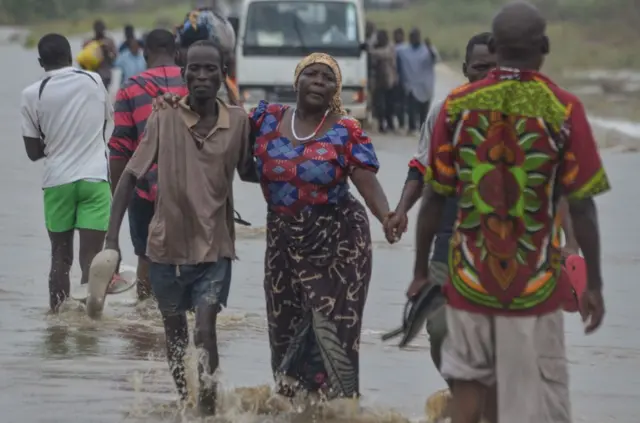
(78, 205)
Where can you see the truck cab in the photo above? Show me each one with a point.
(274, 35)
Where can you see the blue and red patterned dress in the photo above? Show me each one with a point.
(318, 258)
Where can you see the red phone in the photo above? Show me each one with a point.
(576, 272)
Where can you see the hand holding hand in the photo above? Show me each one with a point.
(395, 224)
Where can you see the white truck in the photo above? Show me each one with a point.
(274, 35)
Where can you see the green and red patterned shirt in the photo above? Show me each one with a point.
(509, 146)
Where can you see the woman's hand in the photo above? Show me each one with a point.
(395, 224)
(166, 100)
(369, 187)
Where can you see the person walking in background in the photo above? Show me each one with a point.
(109, 52)
(510, 146)
(64, 116)
(417, 75)
(383, 57)
(129, 34)
(133, 107)
(399, 97)
(131, 60)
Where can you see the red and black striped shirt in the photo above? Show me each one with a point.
(132, 109)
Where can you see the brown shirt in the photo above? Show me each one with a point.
(193, 220)
(384, 62)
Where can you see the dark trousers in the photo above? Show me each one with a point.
(400, 108)
(383, 107)
(416, 112)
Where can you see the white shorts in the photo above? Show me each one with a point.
(525, 356)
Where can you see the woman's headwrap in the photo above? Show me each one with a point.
(335, 106)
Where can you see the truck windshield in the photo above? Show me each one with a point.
(295, 28)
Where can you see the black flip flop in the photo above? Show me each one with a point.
(416, 312)
(239, 220)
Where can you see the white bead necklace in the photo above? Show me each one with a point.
(313, 134)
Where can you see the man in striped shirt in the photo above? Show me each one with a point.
(133, 107)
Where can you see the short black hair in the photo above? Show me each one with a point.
(481, 39)
(129, 30)
(54, 49)
(382, 37)
(210, 44)
(160, 41)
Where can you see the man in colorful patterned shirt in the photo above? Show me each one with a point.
(509, 147)
(133, 107)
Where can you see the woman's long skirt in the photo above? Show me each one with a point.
(317, 273)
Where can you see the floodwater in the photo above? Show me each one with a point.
(69, 369)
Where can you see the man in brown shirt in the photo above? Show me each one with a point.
(198, 146)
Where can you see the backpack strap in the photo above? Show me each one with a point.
(40, 89)
(46, 81)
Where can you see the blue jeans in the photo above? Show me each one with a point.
(179, 289)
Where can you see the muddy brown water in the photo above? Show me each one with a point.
(67, 368)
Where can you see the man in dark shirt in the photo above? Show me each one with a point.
(133, 107)
(478, 62)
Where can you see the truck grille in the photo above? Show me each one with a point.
(285, 95)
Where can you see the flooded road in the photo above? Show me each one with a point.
(69, 369)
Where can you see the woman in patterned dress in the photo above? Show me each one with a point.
(318, 257)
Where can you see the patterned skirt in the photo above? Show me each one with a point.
(317, 273)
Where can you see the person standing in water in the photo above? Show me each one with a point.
(197, 147)
(510, 146)
(133, 107)
(318, 260)
(64, 116)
